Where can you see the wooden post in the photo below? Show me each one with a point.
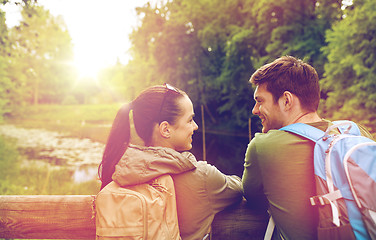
(203, 133)
(250, 128)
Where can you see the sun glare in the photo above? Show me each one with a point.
(87, 69)
(99, 30)
(88, 62)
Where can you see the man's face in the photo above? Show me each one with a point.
(269, 112)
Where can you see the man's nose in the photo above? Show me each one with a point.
(255, 110)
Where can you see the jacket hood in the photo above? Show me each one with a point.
(141, 164)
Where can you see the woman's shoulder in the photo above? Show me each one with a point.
(203, 172)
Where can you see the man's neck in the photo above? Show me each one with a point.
(307, 117)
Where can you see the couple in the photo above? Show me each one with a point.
(287, 91)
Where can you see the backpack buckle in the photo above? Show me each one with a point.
(326, 199)
(318, 200)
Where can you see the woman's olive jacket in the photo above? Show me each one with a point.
(201, 189)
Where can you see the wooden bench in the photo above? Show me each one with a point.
(72, 217)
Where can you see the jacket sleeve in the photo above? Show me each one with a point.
(223, 190)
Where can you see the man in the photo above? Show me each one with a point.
(278, 169)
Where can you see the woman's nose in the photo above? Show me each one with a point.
(195, 127)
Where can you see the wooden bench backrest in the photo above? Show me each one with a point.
(47, 217)
(72, 217)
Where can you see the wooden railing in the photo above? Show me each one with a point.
(71, 217)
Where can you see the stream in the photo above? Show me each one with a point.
(83, 155)
(57, 149)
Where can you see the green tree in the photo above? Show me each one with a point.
(229, 39)
(5, 83)
(349, 85)
(114, 84)
(42, 51)
(164, 45)
(288, 27)
(193, 44)
(211, 48)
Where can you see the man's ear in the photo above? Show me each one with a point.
(164, 129)
(287, 100)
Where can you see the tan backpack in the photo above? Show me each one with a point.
(144, 211)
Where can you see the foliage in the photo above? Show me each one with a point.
(85, 91)
(75, 114)
(349, 85)
(5, 83)
(82, 121)
(34, 59)
(288, 27)
(185, 43)
(209, 48)
(114, 86)
(42, 50)
(19, 178)
(9, 164)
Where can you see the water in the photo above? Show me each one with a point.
(225, 152)
(57, 149)
(82, 156)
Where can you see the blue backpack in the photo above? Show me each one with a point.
(345, 175)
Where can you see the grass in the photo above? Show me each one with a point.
(96, 113)
(81, 121)
(36, 178)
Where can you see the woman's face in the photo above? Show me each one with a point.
(182, 131)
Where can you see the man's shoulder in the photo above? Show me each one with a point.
(271, 135)
(273, 139)
(280, 137)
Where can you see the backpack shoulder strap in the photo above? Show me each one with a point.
(341, 125)
(304, 130)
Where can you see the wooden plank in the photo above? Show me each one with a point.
(47, 217)
(70, 217)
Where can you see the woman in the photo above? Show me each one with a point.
(163, 119)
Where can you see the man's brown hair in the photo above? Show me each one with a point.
(288, 73)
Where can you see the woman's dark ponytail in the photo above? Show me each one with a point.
(153, 105)
(117, 143)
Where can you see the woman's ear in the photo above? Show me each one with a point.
(164, 129)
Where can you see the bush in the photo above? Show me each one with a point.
(37, 177)
(9, 166)
(70, 100)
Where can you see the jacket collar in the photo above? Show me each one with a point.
(141, 164)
